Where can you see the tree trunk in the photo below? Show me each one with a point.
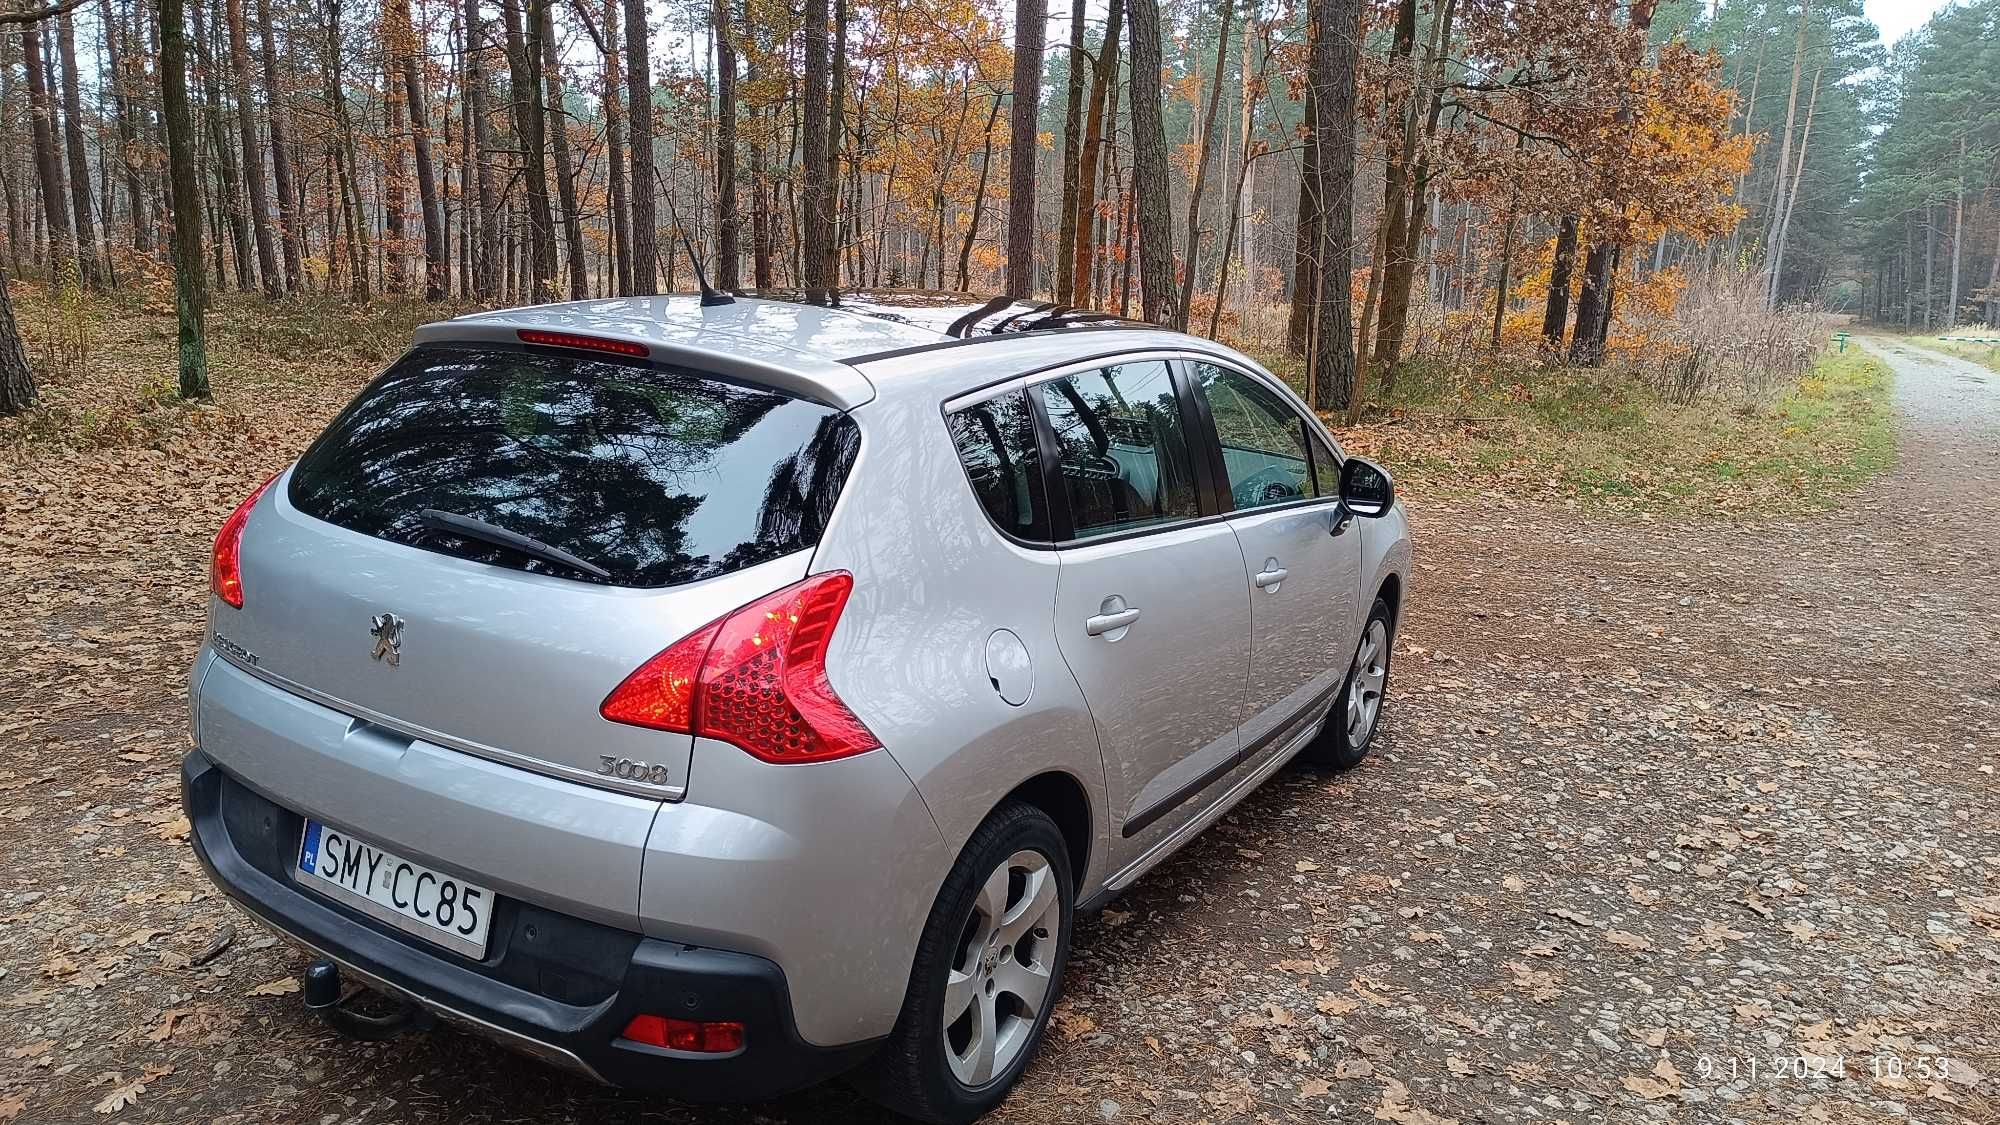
(486, 272)
(48, 163)
(1593, 310)
(1506, 275)
(346, 160)
(393, 177)
(1236, 200)
(87, 250)
(558, 129)
(524, 69)
(253, 165)
(128, 157)
(1777, 270)
(1957, 223)
(408, 47)
(1305, 240)
(17, 379)
(1555, 319)
(1149, 166)
(1330, 368)
(979, 198)
(728, 266)
(1396, 176)
(1399, 271)
(761, 220)
(12, 185)
(1791, 114)
(208, 43)
(1030, 26)
(1225, 9)
(1103, 96)
(189, 292)
(614, 143)
(290, 217)
(1072, 155)
(835, 127)
(1586, 346)
(639, 91)
(817, 194)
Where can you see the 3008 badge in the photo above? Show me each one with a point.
(630, 769)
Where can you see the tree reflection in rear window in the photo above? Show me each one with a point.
(660, 475)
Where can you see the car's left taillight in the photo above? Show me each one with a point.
(755, 678)
(225, 569)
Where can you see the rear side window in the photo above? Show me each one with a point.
(657, 475)
(1121, 452)
(996, 444)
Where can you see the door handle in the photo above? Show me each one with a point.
(1269, 579)
(1099, 624)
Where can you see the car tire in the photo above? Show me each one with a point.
(1016, 864)
(1356, 716)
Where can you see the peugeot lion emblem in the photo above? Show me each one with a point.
(387, 629)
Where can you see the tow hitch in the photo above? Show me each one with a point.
(321, 990)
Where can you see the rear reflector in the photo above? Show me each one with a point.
(585, 343)
(755, 678)
(712, 1037)
(225, 569)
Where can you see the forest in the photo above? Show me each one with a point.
(1346, 186)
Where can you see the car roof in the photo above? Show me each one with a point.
(823, 346)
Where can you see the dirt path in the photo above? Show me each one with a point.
(1662, 807)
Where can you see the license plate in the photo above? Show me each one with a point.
(414, 898)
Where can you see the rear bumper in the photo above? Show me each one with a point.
(553, 986)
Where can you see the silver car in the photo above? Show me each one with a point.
(717, 696)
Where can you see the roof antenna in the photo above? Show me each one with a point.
(709, 296)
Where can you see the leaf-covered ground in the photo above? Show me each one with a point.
(1678, 819)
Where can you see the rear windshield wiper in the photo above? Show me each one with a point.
(473, 528)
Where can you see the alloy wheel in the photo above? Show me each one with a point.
(999, 980)
(1371, 675)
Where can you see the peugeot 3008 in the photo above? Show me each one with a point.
(716, 697)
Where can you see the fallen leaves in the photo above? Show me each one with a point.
(1625, 939)
(1983, 910)
(121, 1096)
(1664, 1081)
(284, 986)
(1538, 984)
(124, 1093)
(1071, 1024)
(1333, 1004)
(1396, 1107)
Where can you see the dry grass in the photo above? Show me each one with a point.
(1470, 422)
(107, 364)
(1980, 345)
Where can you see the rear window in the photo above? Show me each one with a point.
(657, 475)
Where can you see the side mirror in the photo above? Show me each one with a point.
(1366, 489)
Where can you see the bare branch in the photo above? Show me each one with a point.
(37, 15)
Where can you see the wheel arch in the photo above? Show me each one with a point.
(1063, 797)
(1391, 591)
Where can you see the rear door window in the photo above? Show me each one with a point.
(1121, 452)
(656, 475)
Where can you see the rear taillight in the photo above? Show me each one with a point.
(225, 571)
(708, 1037)
(755, 678)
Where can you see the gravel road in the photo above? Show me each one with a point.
(1672, 819)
